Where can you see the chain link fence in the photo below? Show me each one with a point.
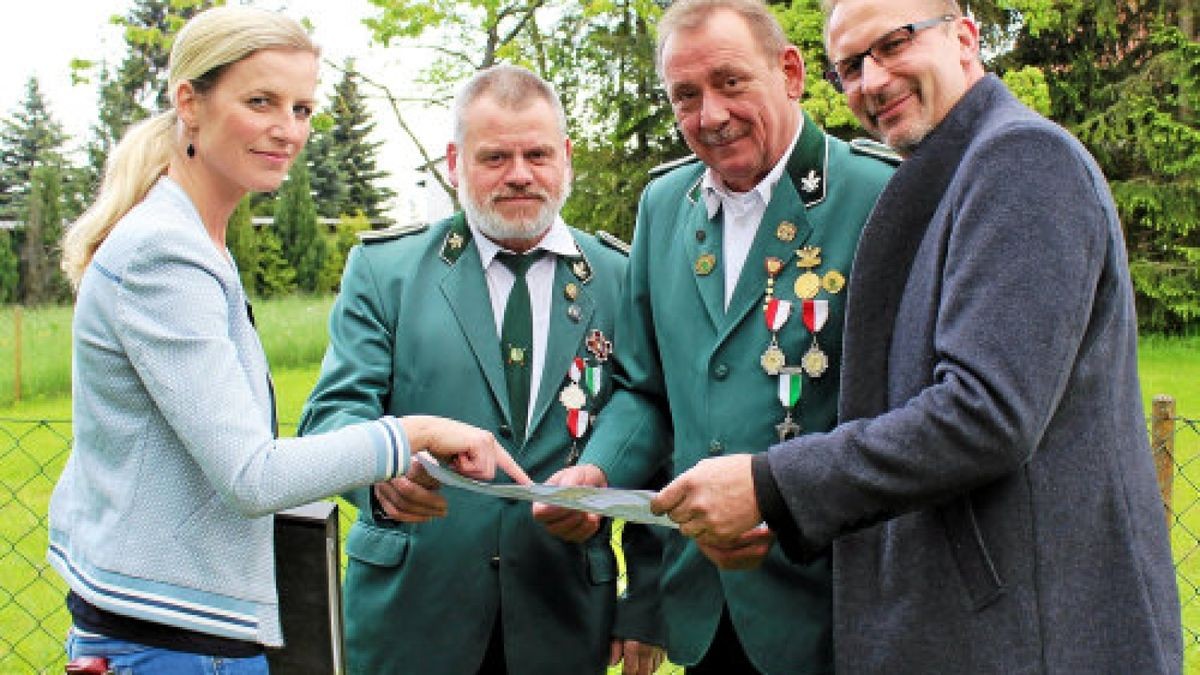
(34, 622)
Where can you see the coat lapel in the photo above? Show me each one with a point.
(466, 293)
(565, 332)
(703, 246)
(888, 245)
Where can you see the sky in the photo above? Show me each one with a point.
(40, 37)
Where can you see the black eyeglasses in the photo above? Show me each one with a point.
(847, 72)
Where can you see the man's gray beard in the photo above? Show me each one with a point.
(498, 228)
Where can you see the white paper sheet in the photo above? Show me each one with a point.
(630, 505)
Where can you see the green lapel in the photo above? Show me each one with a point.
(703, 246)
(466, 293)
(565, 330)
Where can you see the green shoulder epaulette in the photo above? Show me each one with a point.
(612, 241)
(673, 164)
(390, 233)
(866, 146)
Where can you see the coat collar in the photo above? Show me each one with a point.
(807, 166)
(889, 243)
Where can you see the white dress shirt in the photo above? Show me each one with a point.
(743, 214)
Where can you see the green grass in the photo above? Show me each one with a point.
(1172, 366)
(293, 331)
(31, 614)
(44, 348)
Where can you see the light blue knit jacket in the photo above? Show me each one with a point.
(163, 511)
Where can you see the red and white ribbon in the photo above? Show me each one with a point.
(777, 313)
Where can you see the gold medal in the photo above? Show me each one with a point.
(572, 397)
(786, 231)
(705, 264)
(833, 282)
(773, 359)
(807, 286)
(815, 362)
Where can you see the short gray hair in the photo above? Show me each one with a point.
(513, 87)
(691, 14)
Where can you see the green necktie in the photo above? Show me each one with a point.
(516, 340)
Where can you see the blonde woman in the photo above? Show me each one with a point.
(161, 521)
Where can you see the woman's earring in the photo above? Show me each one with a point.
(191, 150)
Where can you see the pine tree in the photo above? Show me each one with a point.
(1123, 77)
(137, 86)
(326, 159)
(29, 137)
(273, 275)
(42, 278)
(296, 226)
(350, 136)
(31, 166)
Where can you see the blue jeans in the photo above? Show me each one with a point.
(131, 658)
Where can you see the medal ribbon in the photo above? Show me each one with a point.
(789, 388)
(577, 369)
(591, 380)
(816, 313)
(577, 422)
(777, 312)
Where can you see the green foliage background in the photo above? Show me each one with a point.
(1123, 75)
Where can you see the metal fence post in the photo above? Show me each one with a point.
(1162, 444)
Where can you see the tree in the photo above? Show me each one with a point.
(42, 278)
(31, 167)
(473, 34)
(9, 268)
(326, 158)
(355, 154)
(601, 59)
(343, 240)
(29, 137)
(242, 243)
(1122, 76)
(301, 243)
(600, 55)
(137, 86)
(273, 275)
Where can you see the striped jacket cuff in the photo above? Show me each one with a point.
(397, 454)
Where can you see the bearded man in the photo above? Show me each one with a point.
(500, 316)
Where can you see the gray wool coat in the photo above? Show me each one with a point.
(989, 494)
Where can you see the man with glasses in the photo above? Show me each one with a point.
(989, 493)
(731, 323)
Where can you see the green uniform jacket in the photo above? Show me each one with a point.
(676, 343)
(412, 332)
